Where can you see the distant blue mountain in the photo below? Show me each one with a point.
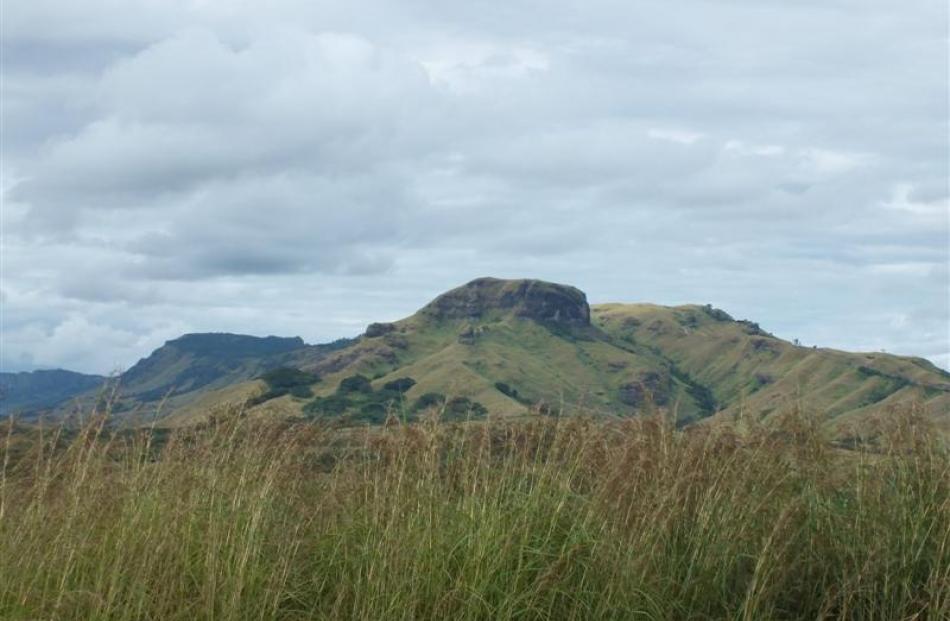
(178, 371)
(28, 391)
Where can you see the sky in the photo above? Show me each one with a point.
(301, 167)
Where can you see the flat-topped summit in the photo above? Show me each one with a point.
(234, 345)
(541, 301)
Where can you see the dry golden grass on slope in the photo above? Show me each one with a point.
(548, 518)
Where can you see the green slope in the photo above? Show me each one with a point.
(530, 337)
(750, 371)
(517, 347)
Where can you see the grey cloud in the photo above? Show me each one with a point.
(184, 166)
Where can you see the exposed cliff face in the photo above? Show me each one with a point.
(537, 300)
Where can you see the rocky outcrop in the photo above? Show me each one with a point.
(648, 387)
(544, 302)
(374, 330)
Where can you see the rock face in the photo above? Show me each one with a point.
(648, 386)
(374, 330)
(544, 302)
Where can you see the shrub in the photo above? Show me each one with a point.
(288, 377)
(428, 400)
(355, 383)
(506, 390)
(284, 380)
(301, 392)
(327, 406)
(717, 313)
(374, 413)
(386, 396)
(463, 408)
(401, 385)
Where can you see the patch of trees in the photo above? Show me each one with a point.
(286, 381)
(401, 385)
(888, 385)
(512, 392)
(427, 401)
(702, 395)
(716, 313)
(356, 398)
(506, 390)
(463, 408)
(355, 401)
(751, 327)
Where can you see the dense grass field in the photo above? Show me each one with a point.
(540, 519)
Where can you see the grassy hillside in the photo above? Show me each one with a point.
(751, 372)
(195, 369)
(516, 347)
(513, 347)
(542, 519)
(535, 339)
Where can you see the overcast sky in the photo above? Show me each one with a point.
(176, 166)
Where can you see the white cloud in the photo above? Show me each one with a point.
(679, 136)
(902, 200)
(832, 162)
(762, 150)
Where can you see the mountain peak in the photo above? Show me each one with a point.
(538, 300)
(234, 345)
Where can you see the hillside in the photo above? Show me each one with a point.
(508, 347)
(748, 370)
(187, 369)
(32, 391)
(514, 348)
(517, 347)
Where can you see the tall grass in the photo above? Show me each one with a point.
(542, 519)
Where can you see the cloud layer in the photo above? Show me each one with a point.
(302, 170)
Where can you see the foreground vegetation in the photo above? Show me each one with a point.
(542, 519)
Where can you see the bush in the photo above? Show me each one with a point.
(355, 383)
(374, 413)
(428, 400)
(287, 377)
(327, 406)
(284, 380)
(301, 392)
(463, 408)
(403, 384)
(506, 390)
(386, 396)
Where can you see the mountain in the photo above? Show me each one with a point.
(522, 347)
(186, 368)
(203, 361)
(39, 390)
(512, 347)
(748, 370)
